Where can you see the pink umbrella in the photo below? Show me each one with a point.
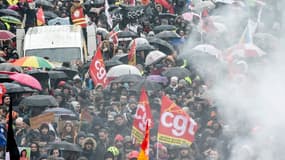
(14, 7)
(6, 35)
(24, 79)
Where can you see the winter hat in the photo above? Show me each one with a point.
(174, 78)
(119, 137)
(133, 154)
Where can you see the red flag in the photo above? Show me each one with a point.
(142, 117)
(2, 92)
(40, 17)
(132, 54)
(143, 155)
(175, 126)
(114, 35)
(97, 69)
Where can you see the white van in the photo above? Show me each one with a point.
(60, 43)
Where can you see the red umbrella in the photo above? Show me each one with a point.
(6, 35)
(24, 79)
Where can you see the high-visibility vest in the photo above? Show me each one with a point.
(78, 17)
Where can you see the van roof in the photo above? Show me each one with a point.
(57, 36)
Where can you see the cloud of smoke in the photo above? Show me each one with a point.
(253, 108)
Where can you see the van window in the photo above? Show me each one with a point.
(56, 54)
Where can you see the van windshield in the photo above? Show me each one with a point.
(56, 54)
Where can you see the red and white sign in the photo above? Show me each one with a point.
(97, 69)
(141, 118)
(176, 126)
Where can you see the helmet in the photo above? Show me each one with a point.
(114, 150)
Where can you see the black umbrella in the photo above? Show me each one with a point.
(167, 15)
(57, 75)
(5, 78)
(176, 71)
(64, 113)
(127, 34)
(50, 15)
(102, 31)
(111, 63)
(44, 3)
(148, 85)
(161, 28)
(14, 88)
(167, 35)
(68, 71)
(145, 47)
(121, 57)
(64, 146)
(10, 67)
(161, 45)
(9, 12)
(128, 78)
(39, 101)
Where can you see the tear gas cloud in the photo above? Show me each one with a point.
(252, 109)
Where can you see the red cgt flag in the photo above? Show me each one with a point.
(97, 69)
(142, 117)
(143, 155)
(132, 54)
(40, 17)
(175, 126)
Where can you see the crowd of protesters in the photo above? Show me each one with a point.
(107, 134)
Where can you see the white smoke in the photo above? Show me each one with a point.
(253, 109)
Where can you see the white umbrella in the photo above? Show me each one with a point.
(208, 49)
(204, 4)
(123, 69)
(153, 57)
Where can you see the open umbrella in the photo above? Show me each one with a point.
(62, 112)
(44, 3)
(244, 51)
(50, 15)
(6, 35)
(57, 75)
(33, 61)
(121, 57)
(111, 63)
(64, 146)
(158, 79)
(167, 15)
(102, 31)
(210, 49)
(68, 71)
(161, 45)
(123, 69)
(148, 85)
(127, 34)
(13, 88)
(39, 101)
(153, 57)
(167, 35)
(59, 21)
(24, 79)
(10, 19)
(128, 78)
(9, 12)
(142, 44)
(176, 71)
(200, 6)
(10, 67)
(166, 27)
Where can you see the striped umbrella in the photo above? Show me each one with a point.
(10, 19)
(33, 61)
